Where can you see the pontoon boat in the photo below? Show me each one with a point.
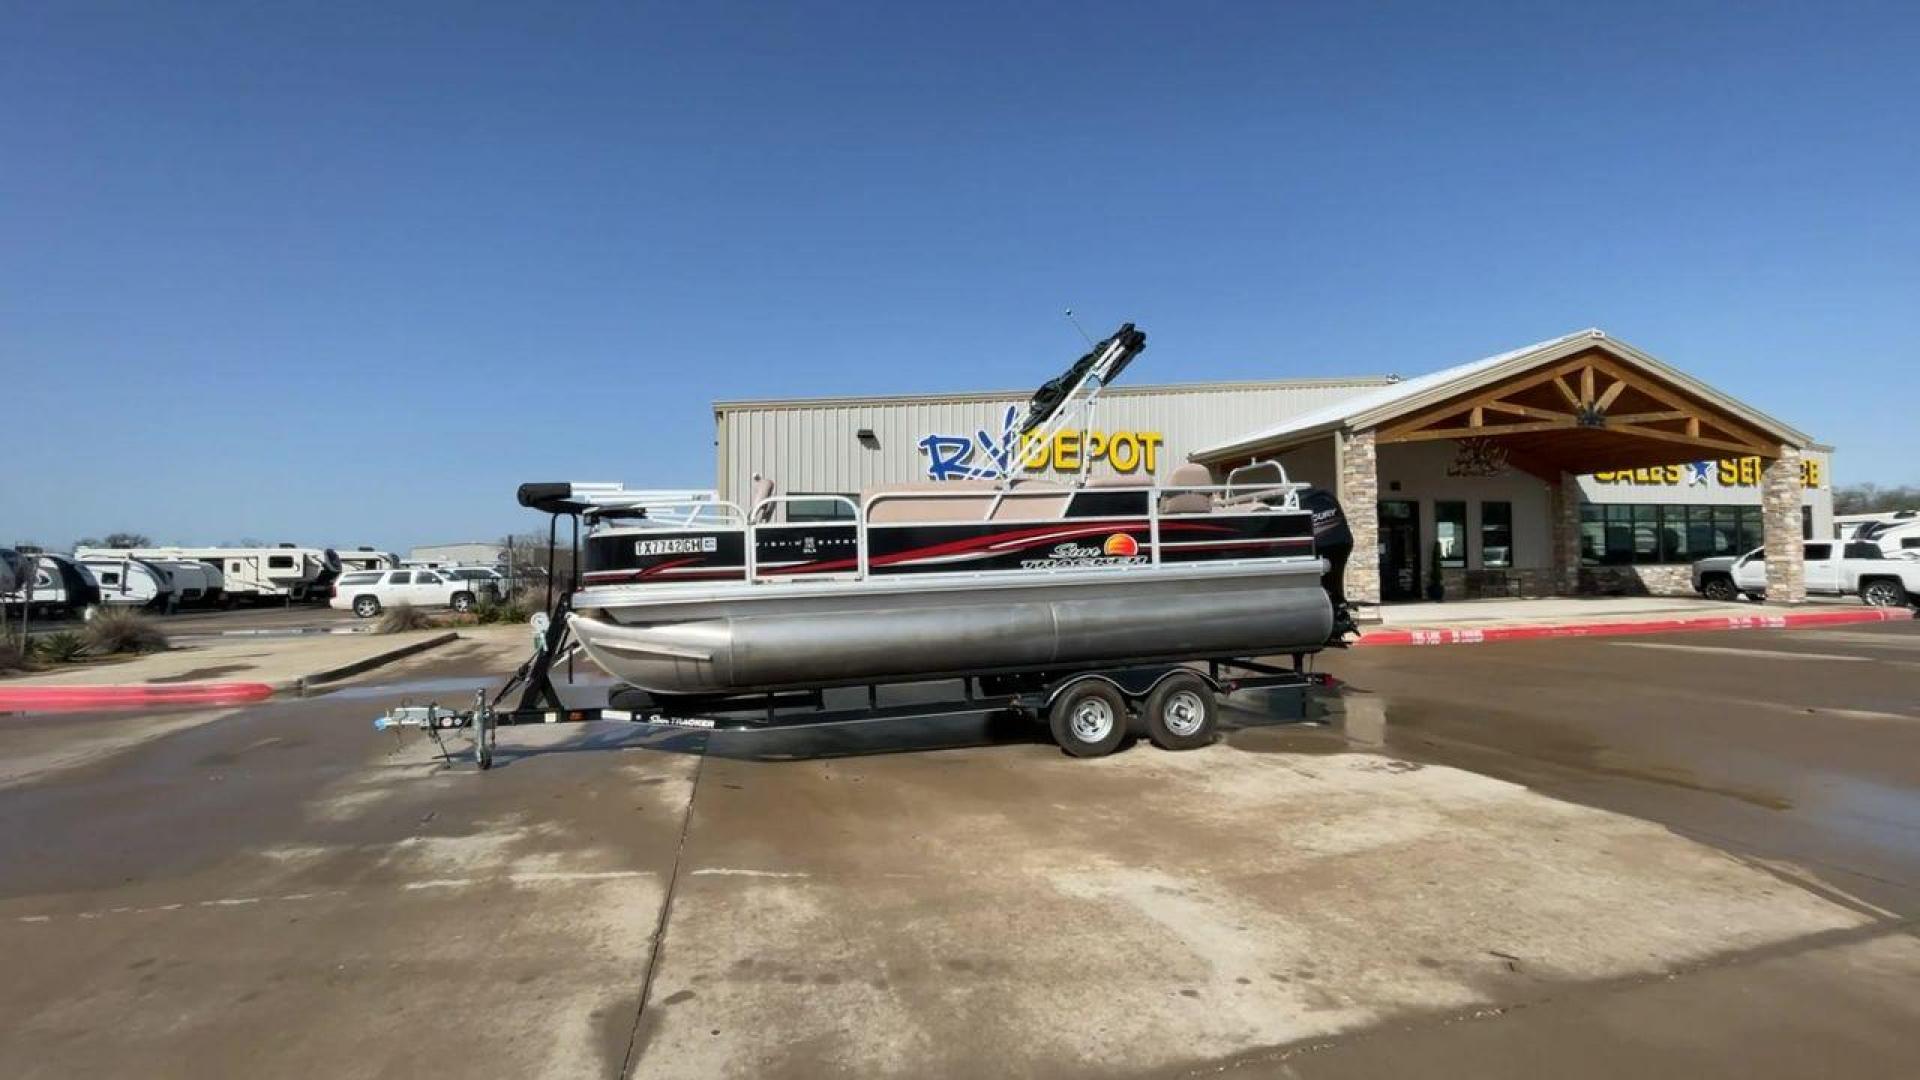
(684, 593)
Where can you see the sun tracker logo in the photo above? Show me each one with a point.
(1119, 549)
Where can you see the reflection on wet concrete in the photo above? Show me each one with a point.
(410, 688)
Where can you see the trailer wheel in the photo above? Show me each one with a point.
(1088, 719)
(366, 607)
(1181, 713)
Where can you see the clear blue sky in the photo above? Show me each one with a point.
(344, 273)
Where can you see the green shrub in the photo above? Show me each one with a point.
(63, 647)
(401, 618)
(494, 611)
(121, 630)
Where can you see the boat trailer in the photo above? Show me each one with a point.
(1088, 710)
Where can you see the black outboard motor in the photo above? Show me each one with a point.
(1332, 541)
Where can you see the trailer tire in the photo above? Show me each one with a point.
(463, 602)
(366, 607)
(1719, 587)
(1182, 712)
(1088, 719)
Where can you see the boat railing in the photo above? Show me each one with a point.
(671, 510)
(1262, 490)
(667, 509)
(765, 510)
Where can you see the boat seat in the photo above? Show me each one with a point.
(901, 505)
(762, 489)
(1034, 500)
(1175, 501)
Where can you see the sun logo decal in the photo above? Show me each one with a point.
(1122, 545)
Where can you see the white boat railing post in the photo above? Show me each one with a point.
(1153, 524)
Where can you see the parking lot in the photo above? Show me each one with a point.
(1692, 854)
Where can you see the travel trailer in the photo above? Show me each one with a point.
(61, 586)
(366, 558)
(1849, 526)
(285, 572)
(194, 582)
(1894, 535)
(130, 582)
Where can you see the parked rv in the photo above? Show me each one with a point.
(285, 572)
(60, 587)
(1849, 526)
(1893, 535)
(194, 582)
(129, 582)
(366, 558)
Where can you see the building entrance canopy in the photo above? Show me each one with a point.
(1570, 406)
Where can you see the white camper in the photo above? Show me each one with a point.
(194, 582)
(285, 572)
(60, 586)
(1894, 535)
(130, 582)
(366, 558)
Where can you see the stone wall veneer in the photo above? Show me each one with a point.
(1780, 529)
(1359, 495)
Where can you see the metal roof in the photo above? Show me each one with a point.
(1118, 391)
(1371, 409)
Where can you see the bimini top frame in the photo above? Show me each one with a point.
(1054, 404)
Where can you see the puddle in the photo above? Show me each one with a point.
(463, 687)
(1352, 722)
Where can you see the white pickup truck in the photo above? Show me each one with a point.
(1833, 569)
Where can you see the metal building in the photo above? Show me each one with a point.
(848, 444)
(1526, 485)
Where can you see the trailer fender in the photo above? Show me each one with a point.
(1134, 684)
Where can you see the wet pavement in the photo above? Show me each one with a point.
(1690, 855)
(1796, 746)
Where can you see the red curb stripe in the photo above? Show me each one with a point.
(1476, 635)
(108, 697)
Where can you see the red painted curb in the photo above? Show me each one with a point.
(1475, 635)
(121, 697)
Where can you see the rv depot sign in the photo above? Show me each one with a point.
(985, 455)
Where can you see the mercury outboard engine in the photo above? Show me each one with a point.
(1332, 541)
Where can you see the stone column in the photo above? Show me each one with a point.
(1359, 494)
(1564, 500)
(1780, 529)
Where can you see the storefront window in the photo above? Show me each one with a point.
(1593, 535)
(1626, 534)
(1450, 532)
(1496, 534)
(1646, 534)
(1750, 531)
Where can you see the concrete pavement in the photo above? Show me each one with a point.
(1553, 858)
